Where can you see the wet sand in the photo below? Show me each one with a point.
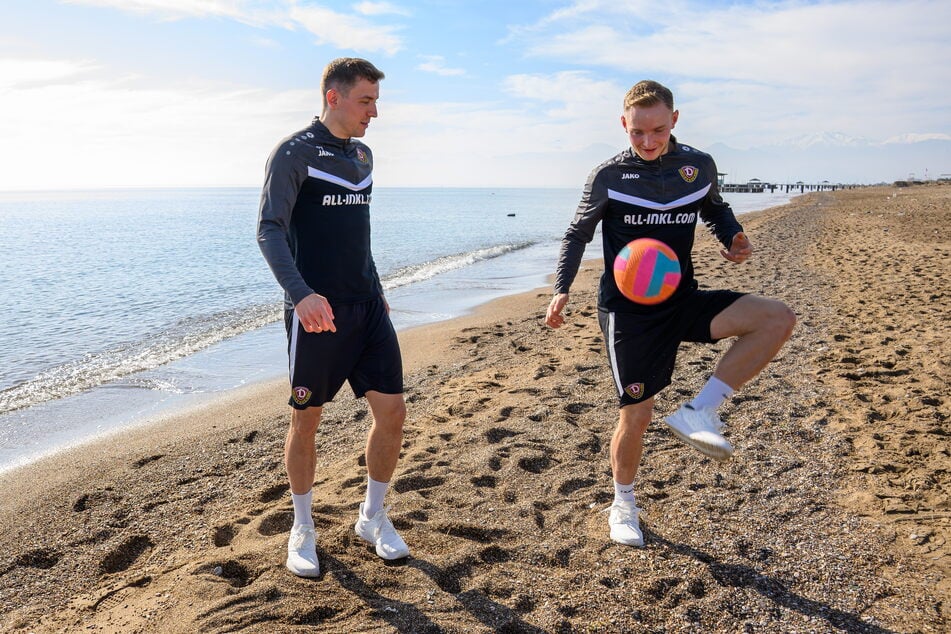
(833, 515)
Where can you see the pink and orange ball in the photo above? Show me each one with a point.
(647, 271)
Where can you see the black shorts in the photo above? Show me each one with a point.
(363, 351)
(642, 349)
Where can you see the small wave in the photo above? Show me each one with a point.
(114, 365)
(184, 338)
(427, 270)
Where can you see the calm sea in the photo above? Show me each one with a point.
(120, 304)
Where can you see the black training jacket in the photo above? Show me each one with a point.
(314, 219)
(634, 198)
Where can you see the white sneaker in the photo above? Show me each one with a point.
(700, 428)
(625, 527)
(378, 531)
(302, 552)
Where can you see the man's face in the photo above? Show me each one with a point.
(648, 128)
(350, 113)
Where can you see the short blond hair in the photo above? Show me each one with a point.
(648, 93)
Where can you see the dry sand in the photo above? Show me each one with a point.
(833, 516)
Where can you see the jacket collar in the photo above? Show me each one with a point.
(323, 135)
(673, 147)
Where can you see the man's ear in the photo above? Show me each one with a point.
(674, 119)
(624, 122)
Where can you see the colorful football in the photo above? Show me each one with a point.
(647, 271)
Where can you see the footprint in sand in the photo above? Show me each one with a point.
(575, 484)
(232, 571)
(125, 554)
(536, 463)
(88, 501)
(496, 435)
(276, 523)
(42, 558)
(141, 462)
(484, 481)
(418, 483)
(273, 493)
(474, 533)
(223, 535)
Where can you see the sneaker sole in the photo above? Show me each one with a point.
(309, 575)
(372, 542)
(636, 543)
(720, 454)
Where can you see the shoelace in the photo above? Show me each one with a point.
(624, 513)
(702, 416)
(386, 526)
(300, 536)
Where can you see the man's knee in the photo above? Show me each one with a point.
(782, 321)
(389, 410)
(636, 418)
(304, 422)
(752, 314)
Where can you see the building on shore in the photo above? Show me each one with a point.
(756, 186)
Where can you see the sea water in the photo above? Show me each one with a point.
(118, 305)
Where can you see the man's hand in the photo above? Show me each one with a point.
(740, 249)
(554, 318)
(315, 314)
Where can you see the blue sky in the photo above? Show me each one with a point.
(132, 93)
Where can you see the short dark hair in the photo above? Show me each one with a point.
(647, 93)
(343, 72)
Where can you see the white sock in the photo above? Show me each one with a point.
(624, 492)
(302, 513)
(376, 491)
(712, 395)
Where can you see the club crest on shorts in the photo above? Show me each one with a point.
(301, 395)
(635, 390)
(689, 173)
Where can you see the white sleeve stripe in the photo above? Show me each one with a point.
(336, 180)
(650, 204)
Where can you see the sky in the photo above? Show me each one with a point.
(181, 93)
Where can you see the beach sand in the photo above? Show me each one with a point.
(833, 515)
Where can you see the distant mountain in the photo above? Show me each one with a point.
(827, 139)
(837, 158)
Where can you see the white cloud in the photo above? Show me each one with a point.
(350, 31)
(551, 133)
(573, 95)
(477, 144)
(379, 8)
(437, 64)
(130, 133)
(770, 69)
(346, 31)
(20, 72)
(247, 11)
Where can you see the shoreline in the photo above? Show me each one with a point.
(842, 443)
(103, 412)
(128, 401)
(418, 343)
